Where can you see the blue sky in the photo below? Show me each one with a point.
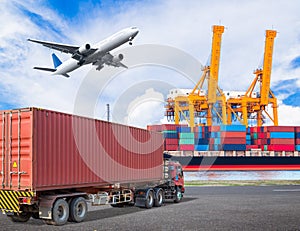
(184, 25)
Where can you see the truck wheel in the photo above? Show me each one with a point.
(60, 213)
(159, 198)
(78, 209)
(149, 200)
(35, 215)
(178, 195)
(21, 217)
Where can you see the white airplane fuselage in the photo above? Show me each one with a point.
(102, 47)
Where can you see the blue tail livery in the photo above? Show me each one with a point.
(56, 60)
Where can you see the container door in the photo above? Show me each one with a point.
(15, 149)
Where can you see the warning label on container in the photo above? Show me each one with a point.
(15, 164)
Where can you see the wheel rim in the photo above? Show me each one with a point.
(80, 210)
(179, 195)
(150, 199)
(160, 198)
(61, 212)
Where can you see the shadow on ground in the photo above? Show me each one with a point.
(113, 212)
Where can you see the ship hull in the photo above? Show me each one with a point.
(263, 163)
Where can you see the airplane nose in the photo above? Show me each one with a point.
(135, 31)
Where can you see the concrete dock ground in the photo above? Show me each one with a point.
(203, 208)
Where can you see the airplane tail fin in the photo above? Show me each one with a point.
(56, 60)
(56, 63)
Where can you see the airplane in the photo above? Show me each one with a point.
(98, 54)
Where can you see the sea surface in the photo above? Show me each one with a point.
(242, 175)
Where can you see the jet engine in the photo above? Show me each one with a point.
(118, 58)
(84, 49)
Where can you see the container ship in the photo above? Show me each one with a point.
(234, 144)
(232, 147)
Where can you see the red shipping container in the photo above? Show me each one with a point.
(280, 128)
(171, 147)
(252, 129)
(255, 129)
(233, 134)
(297, 141)
(262, 142)
(281, 141)
(172, 127)
(297, 129)
(53, 150)
(261, 135)
(171, 141)
(186, 147)
(214, 128)
(233, 140)
(281, 147)
(156, 128)
(249, 147)
(211, 141)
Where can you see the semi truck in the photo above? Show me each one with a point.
(52, 164)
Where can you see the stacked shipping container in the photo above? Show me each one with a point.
(229, 138)
(186, 139)
(273, 138)
(297, 138)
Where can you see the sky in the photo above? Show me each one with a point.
(184, 25)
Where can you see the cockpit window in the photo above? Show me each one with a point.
(134, 27)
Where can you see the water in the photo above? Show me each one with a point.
(242, 175)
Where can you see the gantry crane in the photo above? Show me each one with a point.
(196, 103)
(244, 107)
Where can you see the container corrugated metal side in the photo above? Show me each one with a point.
(59, 150)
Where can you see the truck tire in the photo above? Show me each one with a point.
(21, 217)
(178, 195)
(60, 213)
(35, 215)
(158, 201)
(78, 209)
(149, 200)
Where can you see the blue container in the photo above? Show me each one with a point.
(233, 128)
(215, 134)
(297, 135)
(248, 130)
(183, 129)
(207, 135)
(248, 137)
(234, 147)
(170, 135)
(206, 129)
(217, 140)
(216, 147)
(199, 134)
(202, 147)
(297, 147)
(201, 141)
(282, 135)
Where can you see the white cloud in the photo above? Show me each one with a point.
(288, 115)
(184, 25)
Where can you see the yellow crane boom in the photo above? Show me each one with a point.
(214, 63)
(267, 68)
(247, 105)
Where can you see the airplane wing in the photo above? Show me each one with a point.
(110, 60)
(57, 46)
(69, 49)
